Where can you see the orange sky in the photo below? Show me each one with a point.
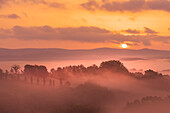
(84, 24)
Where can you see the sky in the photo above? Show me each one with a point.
(85, 24)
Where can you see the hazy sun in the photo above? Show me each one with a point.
(124, 46)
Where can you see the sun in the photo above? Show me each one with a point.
(124, 46)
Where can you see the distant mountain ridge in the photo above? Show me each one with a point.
(43, 54)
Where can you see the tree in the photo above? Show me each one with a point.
(138, 75)
(1, 72)
(114, 66)
(151, 74)
(15, 69)
(92, 69)
(35, 70)
(52, 71)
(6, 72)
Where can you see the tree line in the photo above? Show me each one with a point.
(112, 66)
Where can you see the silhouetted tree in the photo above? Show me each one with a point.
(52, 71)
(114, 66)
(151, 99)
(92, 69)
(151, 74)
(138, 75)
(1, 72)
(6, 72)
(35, 70)
(15, 69)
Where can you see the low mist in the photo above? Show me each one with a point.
(108, 88)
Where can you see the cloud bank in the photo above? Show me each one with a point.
(81, 34)
(33, 2)
(10, 16)
(131, 5)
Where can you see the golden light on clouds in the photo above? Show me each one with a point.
(100, 14)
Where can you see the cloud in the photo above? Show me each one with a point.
(2, 2)
(90, 5)
(33, 1)
(8, 2)
(136, 70)
(36, 2)
(10, 16)
(132, 59)
(164, 39)
(81, 34)
(50, 4)
(132, 31)
(146, 31)
(166, 70)
(132, 44)
(131, 5)
(159, 5)
(149, 31)
(56, 5)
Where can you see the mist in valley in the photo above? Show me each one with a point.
(108, 88)
(84, 56)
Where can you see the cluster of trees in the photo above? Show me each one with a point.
(29, 70)
(112, 66)
(35, 70)
(15, 69)
(148, 74)
(148, 99)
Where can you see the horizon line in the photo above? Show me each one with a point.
(87, 49)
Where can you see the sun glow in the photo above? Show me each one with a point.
(124, 46)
